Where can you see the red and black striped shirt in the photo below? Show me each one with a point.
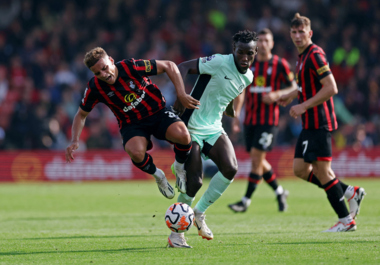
(269, 76)
(311, 67)
(132, 97)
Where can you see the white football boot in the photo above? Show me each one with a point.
(180, 175)
(163, 185)
(340, 227)
(355, 201)
(203, 230)
(177, 240)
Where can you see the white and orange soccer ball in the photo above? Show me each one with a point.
(179, 217)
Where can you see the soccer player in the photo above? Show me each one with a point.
(313, 154)
(139, 108)
(272, 78)
(221, 79)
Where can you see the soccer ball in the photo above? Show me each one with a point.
(179, 217)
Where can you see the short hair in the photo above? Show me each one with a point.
(245, 36)
(299, 20)
(265, 31)
(93, 56)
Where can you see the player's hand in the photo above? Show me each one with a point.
(297, 110)
(178, 108)
(236, 125)
(70, 151)
(269, 98)
(189, 102)
(284, 100)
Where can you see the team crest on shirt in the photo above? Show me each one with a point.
(260, 80)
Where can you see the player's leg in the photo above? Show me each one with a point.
(136, 148)
(223, 154)
(335, 196)
(193, 167)
(171, 128)
(270, 178)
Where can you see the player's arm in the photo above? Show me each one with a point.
(185, 68)
(76, 130)
(174, 74)
(238, 105)
(328, 90)
(230, 112)
(287, 98)
(273, 96)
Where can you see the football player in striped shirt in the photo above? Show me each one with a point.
(272, 78)
(313, 152)
(139, 108)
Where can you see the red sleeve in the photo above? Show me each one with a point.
(320, 65)
(286, 73)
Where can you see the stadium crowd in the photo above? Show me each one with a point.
(42, 45)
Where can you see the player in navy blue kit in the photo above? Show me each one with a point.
(313, 153)
(140, 110)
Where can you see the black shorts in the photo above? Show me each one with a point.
(155, 125)
(314, 145)
(259, 136)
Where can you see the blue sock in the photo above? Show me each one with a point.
(218, 185)
(185, 199)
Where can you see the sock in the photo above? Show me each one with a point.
(182, 152)
(279, 190)
(246, 201)
(146, 165)
(253, 181)
(336, 198)
(346, 220)
(217, 186)
(313, 179)
(185, 199)
(178, 165)
(349, 192)
(270, 178)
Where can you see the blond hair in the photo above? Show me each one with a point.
(93, 56)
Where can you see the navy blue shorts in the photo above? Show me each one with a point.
(260, 137)
(314, 145)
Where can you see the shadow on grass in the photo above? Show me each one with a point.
(141, 236)
(81, 251)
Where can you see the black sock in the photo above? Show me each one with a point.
(336, 198)
(253, 180)
(313, 179)
(182, 152)
(270, 178)
(344, 186)
(146, 165)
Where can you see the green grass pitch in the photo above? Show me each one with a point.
(123, 223)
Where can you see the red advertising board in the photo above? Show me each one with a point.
(116, 165)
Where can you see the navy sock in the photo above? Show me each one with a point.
(182, 152)
(270, 178)
(253, 180)
(336, 198)
(146, 165)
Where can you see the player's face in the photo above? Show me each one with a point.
(244, 54)
(105, 70)
(301, 36)
(265, 44)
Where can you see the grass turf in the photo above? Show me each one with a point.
(123, 223)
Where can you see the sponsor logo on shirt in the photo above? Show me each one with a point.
(131, 98)
(260, 89)
(206, 59)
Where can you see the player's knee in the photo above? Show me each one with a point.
(300, 173)
(184, 138)
(229, 171)
(136, 155)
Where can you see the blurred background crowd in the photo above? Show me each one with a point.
(42, 44)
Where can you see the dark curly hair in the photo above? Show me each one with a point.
(245, 36)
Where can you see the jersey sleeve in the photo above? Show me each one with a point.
(142, 67)
(288, 75)
(89, 100)
(209, 65)
(320, 65)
